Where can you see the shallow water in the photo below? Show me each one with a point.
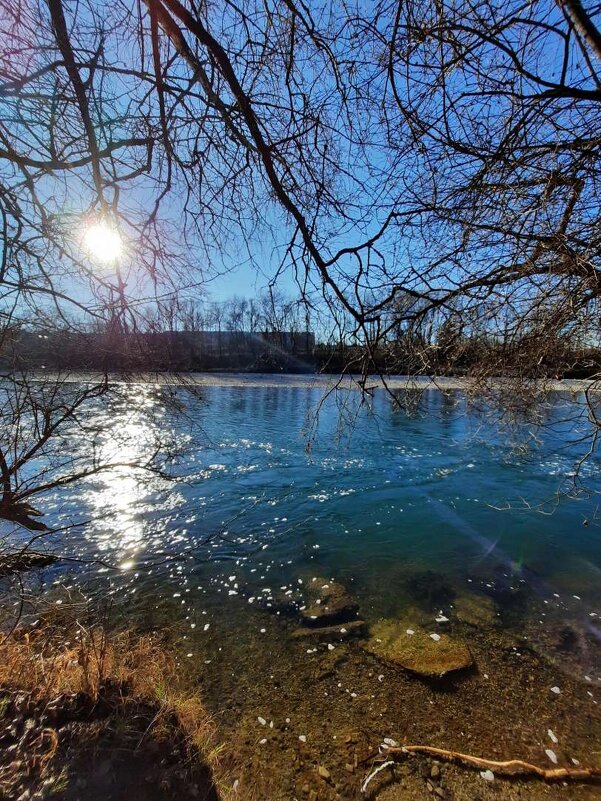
(278, 486)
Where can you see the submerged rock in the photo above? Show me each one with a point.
(328, 603)
(24, 560)
(561, 642)
(476, 610)
(418, 652)
(339, 632)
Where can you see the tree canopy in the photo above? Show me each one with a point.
(405, 162)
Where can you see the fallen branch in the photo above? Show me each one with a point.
(510, 767)
(24, 560)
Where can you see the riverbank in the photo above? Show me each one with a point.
(301, 694)
(90, 713)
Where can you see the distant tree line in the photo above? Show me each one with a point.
(272, 333)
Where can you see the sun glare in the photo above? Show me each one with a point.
(103, 242)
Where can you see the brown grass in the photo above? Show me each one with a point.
(46, 664)
(66, 657)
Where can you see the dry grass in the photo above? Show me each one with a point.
(64, 656)
(47, 664)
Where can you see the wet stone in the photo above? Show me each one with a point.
(338, 632)
(328, 604)
(418, 652)
(20, 562)
(476, 610)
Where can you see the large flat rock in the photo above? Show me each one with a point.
(418, 652)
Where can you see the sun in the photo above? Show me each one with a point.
(103, 242)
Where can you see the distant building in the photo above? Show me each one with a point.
(291, 341)
(180, 350)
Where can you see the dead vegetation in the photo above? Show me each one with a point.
(89, 712)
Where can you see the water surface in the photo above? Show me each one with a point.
(278, 486)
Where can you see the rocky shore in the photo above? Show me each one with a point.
(309, 689)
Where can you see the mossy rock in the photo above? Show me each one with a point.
(328, 603)
(476, 610)
(418, 652)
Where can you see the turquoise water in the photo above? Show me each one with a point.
(282, 479)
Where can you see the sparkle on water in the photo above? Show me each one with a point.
(375, 496)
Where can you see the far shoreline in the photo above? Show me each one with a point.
(323, 381)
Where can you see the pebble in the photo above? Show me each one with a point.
(323, 772)
(302, 738)
(390, 742)
(552, 755)
(261, 720)
(435, 637)
(555, 690)
(487, 775)
(551, 736)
